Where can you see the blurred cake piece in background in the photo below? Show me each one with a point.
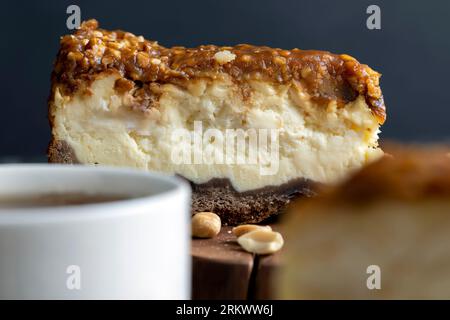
(388, 226)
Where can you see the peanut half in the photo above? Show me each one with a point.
(246, 228)
(205, 225)
(261, 241)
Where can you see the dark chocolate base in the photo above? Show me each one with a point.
(60, 151)
(234, 208)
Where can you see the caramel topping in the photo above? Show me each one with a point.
(90, 51)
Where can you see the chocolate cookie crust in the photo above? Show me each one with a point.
(234, 208)
(61, 152)
(325, 76)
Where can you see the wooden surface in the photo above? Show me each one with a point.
(221, 269)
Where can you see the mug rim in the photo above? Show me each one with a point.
(178, 187)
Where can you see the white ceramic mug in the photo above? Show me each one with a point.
(136, 248)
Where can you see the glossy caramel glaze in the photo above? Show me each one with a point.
(323, 75)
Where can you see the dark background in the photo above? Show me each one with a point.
(412, 51)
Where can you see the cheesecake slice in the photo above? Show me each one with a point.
(249, 127)
(382, 234)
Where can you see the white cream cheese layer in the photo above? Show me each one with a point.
(317, 142)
